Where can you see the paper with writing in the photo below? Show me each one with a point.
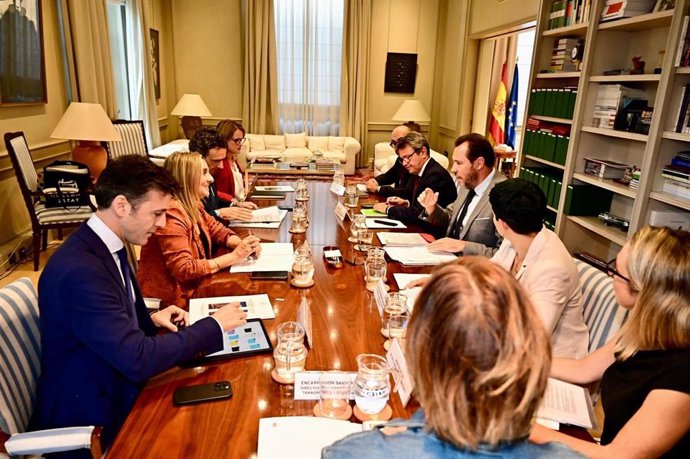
(341, 211)
(568, 404)
(380, 293)
(308, 385)
(300, 436)
(304, 318)
(256, 306)
(338, 189)
(275, 256)
(401, 374)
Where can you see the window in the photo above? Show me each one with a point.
(309, 52)
(117, 30)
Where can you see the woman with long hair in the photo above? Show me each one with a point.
(178, 256)
(645, 369)
(479, 360)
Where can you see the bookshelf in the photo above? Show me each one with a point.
(608, 46)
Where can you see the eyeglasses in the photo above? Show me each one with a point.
(394, 142)
(408, 158)
(239, 141)
(611, 271)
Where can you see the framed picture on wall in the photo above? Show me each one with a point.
(155, 62)
(22, 66)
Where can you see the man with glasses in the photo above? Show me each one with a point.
(396, 180)
(467, 224)
(212, 146)
(414, 154)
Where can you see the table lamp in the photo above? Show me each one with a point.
(89, 125)
(412, 110)
(191, 108)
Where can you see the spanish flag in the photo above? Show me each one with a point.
(498, 113)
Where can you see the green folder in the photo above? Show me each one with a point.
(372, 213)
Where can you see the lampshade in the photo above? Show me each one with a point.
(191, 105)
(412, 110)
(83, 121)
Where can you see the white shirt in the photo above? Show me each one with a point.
(240, 193)
(110, 239)
(479, 192)
(421, 171)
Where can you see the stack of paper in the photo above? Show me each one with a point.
(418, 256)
(276, 256)
(256, 306)
(275, 188)
(303, 436)
(401, 239)
(402, 279)
(266, 217)
(567, 403)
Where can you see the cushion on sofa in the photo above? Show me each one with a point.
(336, 143)
(297, 154)
(274, 142)
(296, 140)
(335, 156)
(256, 142)
(315, 143)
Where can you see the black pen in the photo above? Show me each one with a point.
(384, 222)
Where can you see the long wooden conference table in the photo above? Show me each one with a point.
(345, 323)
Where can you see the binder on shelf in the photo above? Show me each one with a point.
(587, 200)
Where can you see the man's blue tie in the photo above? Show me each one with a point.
(127, 275)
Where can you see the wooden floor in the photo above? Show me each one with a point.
(26, 269)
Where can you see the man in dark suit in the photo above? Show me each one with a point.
(467, 224)
(99, 344)
(413, 151)
(212, 146)
(396, 181)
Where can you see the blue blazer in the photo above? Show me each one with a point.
(95, 356)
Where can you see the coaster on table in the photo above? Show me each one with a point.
(298, 285)
(279, 379)
(383, 415)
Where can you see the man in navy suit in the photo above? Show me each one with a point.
(414, 153)
(99, 344)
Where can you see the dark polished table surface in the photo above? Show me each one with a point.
(345, 323)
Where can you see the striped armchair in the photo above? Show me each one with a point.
(20, 362)
(42, 219)
(133, 139)
(603, 316)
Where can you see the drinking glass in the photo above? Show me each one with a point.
(396, 305)
(303, 266)
(298, 223)
(290, 354)
(334, 395)
(358, 221)
(397, 329)
(301, 192)
(364, 236)
(351, 196)
(372, 384)
(375, 268)
(338, 175)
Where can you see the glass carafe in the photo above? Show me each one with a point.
(301, 192)
(396, 305)
(298, 223)
(338, 175)
(351, 196)
(290, 354)
(372, 384)
(375, 268)
(358, 221)
(303, 267)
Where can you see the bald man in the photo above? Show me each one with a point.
(396, 181)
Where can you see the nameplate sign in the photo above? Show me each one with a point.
(333, 253)
(341, 211)
(401, 374)
(308, 383)
(338, 189)
(304, 318)
(380, 295)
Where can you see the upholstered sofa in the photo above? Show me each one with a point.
(301, 147)
(384, 158)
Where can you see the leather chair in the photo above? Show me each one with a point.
(20, 361)
(42, 218)
(133, 139)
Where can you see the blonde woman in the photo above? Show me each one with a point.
(479, 366)
(645, 370)
(178, 256)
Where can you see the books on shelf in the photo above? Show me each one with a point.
(618, 9)
(565, 13)
(677, 173)
(566, 55)
(675, 188)
(604, 168)
(610, 99)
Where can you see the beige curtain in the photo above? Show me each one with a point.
(505, 50)
(260, 98)
(355, 73)
(91, 73)
(142, 94)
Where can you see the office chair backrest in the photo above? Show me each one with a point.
(20, 351)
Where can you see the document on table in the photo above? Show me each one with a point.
(266, 217)
(402, 279)
(401, 239)
(362, 189)
(418, 256)
(304, 436)
(567, 404)
(383, 223)
(256, 306)
(276, 188)
(275, 256)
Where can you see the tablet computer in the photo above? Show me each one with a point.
(248, 339)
